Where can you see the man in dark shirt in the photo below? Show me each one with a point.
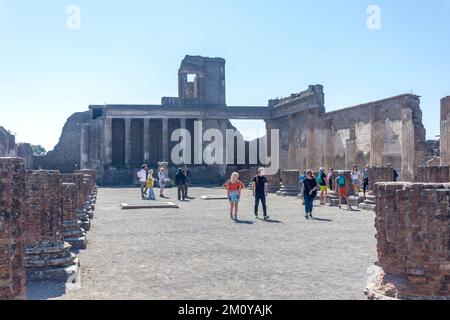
(259, 192)
(180, 180)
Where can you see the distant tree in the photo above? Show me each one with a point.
(39, 150)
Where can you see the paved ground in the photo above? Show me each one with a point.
(197, 252)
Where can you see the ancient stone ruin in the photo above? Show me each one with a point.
(412, 223)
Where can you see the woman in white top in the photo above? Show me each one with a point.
(356, 180)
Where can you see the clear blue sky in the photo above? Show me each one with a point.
(130, 51)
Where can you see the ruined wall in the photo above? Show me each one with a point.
(25, 151)
(436, 174)
(7, 143)
(380, 174)
(65, 157)
(412, 239)
(12, 209)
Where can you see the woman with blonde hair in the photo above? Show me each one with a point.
(234, 187)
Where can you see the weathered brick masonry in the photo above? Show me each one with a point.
(81, 213)
(380, 174)
(433, 174)
(47, 254)
(290, 183)
(12, 207)
(73, 233)
(413, 232)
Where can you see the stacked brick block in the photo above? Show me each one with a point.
(436, 174)
(290, 183)
(73, 233)
(273, 183)
(81, 198)
(47, 255)
(413, 232)
(380, 174)
(12, 207)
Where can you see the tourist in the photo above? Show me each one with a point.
(302, 187)
(309, 193)
(356, 180)
(162, 176)
(234, 187)
(323, 185)
(330, 179)
(180, 180)
(150, 185)
(259, 192)
(187, 173)
(142, 176)
(395, 173)
(366, 179)
(341, 185)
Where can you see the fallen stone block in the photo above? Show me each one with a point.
(159, 205)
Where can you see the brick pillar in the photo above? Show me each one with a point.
(12, 210)
(73, 234)
(273, 183)
(290, 183)
(47, 254)
(445, 131)
(380, 174)
(81, 212)
(412, 223)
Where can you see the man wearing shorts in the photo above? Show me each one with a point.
(341, 184)
(323, 185)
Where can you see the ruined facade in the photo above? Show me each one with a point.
(115, 140)
(412, 223)
(7, 143)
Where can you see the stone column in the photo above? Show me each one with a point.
(108, 142)
(84, 161)
(412, 241)
(81, 213)
(165, 139)
(290, 183)
(127, 141)
(146, 140)
(47, 255)
(377, 133)
(12, 210)
(73, 234)
(408, 154)
(445, 131)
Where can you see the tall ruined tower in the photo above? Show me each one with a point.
(201, 81)
(445, 131)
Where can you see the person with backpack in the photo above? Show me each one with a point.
(395, 177)
(323, 185)
(302, 180)
(259, 192)
(341, 185)
(234, 187)
(309, 193)
(366, 179)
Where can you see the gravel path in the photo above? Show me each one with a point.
(197, 252)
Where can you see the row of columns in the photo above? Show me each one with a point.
(108, 133)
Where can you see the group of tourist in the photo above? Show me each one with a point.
(148, 182)
(310, 186)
